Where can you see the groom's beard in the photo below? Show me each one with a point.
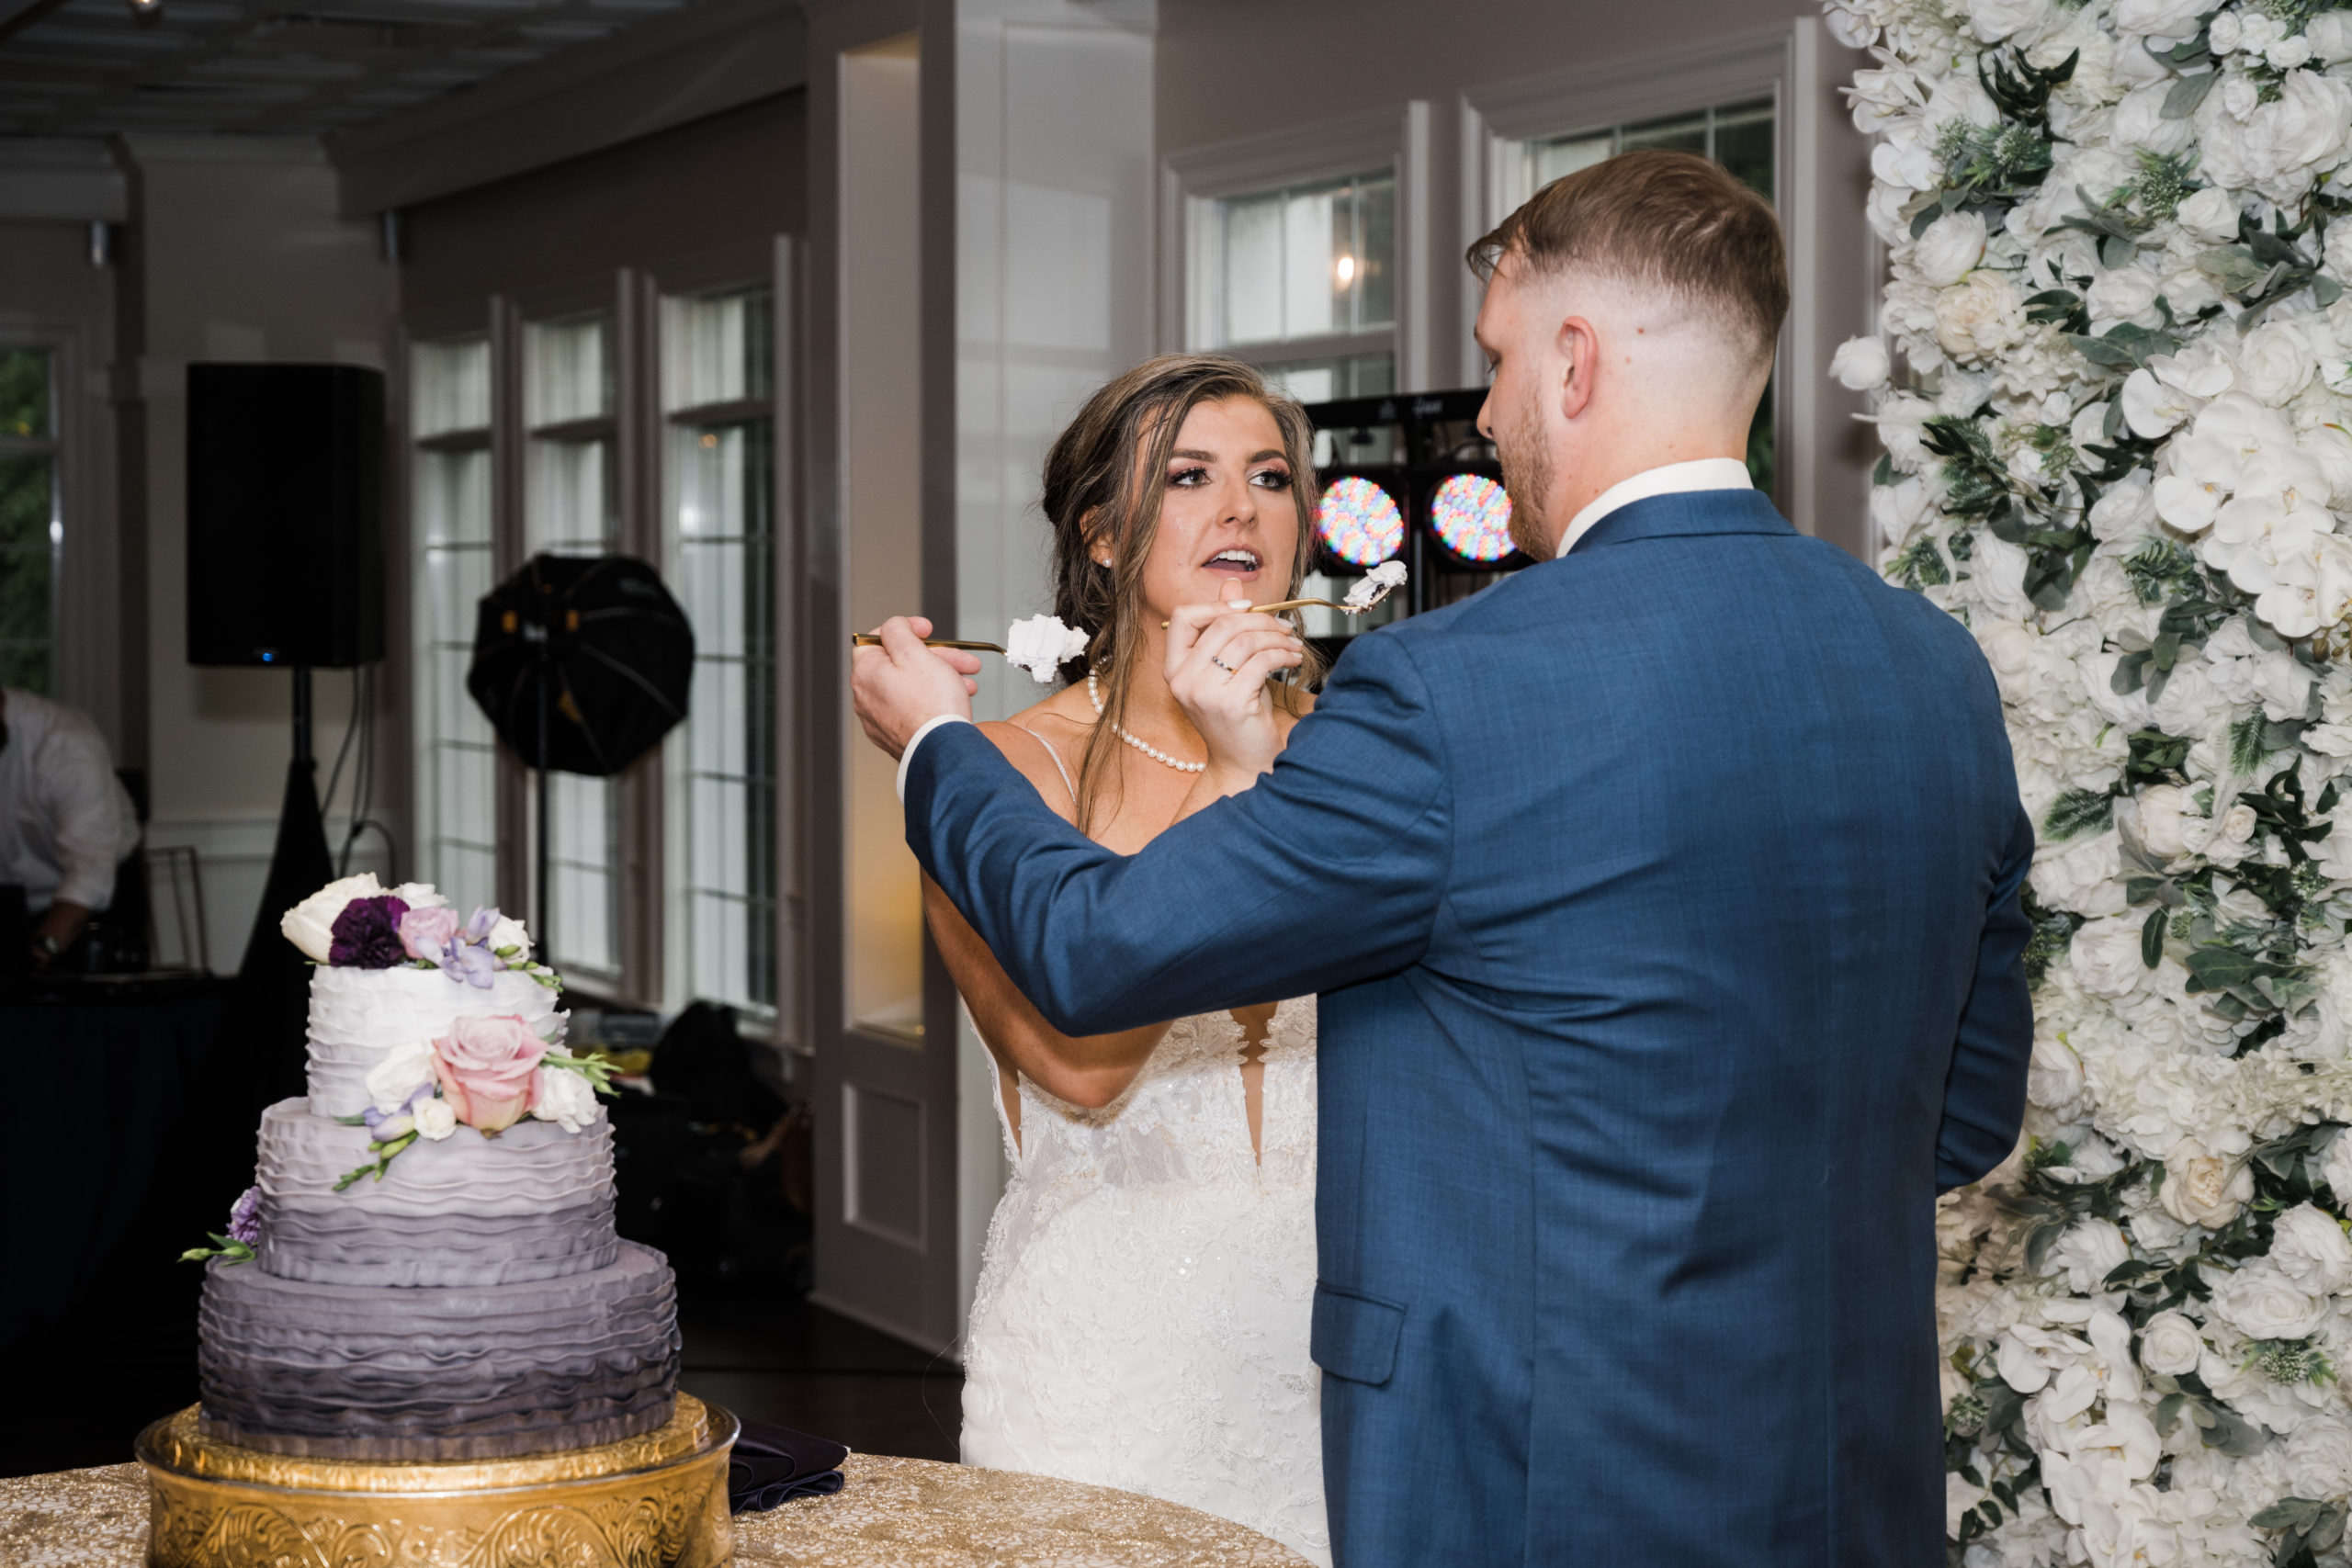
(1526, 475)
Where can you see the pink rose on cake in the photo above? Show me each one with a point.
(427, 932)
(486, 1068)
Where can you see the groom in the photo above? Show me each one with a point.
(1662, 900)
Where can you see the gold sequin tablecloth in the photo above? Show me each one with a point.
(894, 1513)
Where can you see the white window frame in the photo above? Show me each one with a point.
(1192, 179)
(781, 1022)
(1787, 63)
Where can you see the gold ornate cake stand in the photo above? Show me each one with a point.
(656, 1501)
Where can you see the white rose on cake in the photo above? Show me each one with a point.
(309, 925)
(508, 932)
(420, 895)
(392, 1081)
(434, 1119)
(563, 1096)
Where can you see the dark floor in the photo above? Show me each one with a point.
(127, 1355)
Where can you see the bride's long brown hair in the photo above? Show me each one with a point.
(1103, 483)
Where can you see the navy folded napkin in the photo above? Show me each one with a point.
(772, 1464)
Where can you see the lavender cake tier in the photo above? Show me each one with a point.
(536, 1203)
(385, 1373)
(359, 1017)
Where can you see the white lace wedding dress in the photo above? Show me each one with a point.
(1142, 1311)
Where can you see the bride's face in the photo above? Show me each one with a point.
(1228, 518)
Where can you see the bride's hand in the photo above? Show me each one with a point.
(1219, 661)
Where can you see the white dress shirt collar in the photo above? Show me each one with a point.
(1703, 473)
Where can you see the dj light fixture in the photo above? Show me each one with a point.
(1470, 513)
(1360, 522)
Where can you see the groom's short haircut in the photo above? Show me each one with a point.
(1671, 221)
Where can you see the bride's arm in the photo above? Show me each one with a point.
(1091, 1071)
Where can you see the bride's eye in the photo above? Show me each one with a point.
(1272, 479)
(1190, 479)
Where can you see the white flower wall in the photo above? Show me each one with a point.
(2113, 389)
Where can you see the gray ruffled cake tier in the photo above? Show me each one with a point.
(536, 1203)
(386, 1373)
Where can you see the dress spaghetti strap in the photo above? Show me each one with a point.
(1056, 756)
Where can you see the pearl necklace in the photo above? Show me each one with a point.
(1146, 747)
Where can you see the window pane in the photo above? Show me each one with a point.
(451, 389)
(718, 349)
(1743, 143)
(584, 831)
(567, 371)
(24, 392)
(1253, 270)
(26, 549)
(1682, 133)
(1346, 376)
(569, 500)
(1375, 273)
(453, 498)
(1547, 161)
(1312, 245)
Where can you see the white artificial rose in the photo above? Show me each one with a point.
(2237, 824)
(1903, 161)
(2054, 1078)
(2090, 1250)
(1862, 365)
(1980, 317)
(420, 895)
(436, 1118)
(2158, 18)
(1950, 248)
(2261, 1303)
(2210, 214)
(2124, 511)
(1902, 423)
(2274, 147)
(2319, 1458)
(1994, 20)
(2330, 450)
(2335, 1166)
(2308, 1245)
(2105, 957)
(2330, 35)
(563, 1096)
(2287, 54)
(506, 933)
(309, 925)
(2275, 362)
(2140, 120)
(2221, 34)
(2121, 294)
(2158, 810)
(400, 1075)
(1962, 392)
(2201, 1187)
(2171, 1344)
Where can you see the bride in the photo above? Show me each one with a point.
(1141, 1316)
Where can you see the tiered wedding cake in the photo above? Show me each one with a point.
(426, 1269)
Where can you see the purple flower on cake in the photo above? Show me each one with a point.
(367, 934)
(244, 1218)
(427, 932)
(486, 1068)
(309, 925)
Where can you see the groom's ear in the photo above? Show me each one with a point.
(1579, 347)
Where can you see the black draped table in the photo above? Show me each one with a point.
(104, 1096)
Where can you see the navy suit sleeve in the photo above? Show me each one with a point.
(1985, 1092)
(1327, 872)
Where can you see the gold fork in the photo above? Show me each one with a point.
(868, 640)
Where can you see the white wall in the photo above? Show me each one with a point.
(241, 257)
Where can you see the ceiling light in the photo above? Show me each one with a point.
(1347, 268)
(146, 11)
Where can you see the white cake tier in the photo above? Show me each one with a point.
(360, 1015)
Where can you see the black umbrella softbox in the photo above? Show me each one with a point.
(603, 641)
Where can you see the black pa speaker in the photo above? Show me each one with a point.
(285, 514)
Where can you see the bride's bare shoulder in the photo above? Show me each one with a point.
(1037, 737)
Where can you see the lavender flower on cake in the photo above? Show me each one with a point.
(244, 1218)
(367, 934)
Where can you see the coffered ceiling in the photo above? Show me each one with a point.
(84, 68)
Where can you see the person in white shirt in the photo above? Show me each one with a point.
(65, 820)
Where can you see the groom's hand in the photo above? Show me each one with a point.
(902, 685)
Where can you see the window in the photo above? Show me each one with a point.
(1737, 135)
(457, 760)
(1302, 281)
(30, 529)
(716, 379)
(570, 507)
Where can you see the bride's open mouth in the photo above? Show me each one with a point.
(1238, 564)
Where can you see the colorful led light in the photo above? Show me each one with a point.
(1359, 521)
(1471, 514)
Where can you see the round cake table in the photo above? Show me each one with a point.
(894, 1513)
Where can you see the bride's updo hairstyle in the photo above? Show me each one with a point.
(1105, 478)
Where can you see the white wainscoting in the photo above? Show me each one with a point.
(233, 858)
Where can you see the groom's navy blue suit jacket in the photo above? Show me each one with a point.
(1662, 900)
